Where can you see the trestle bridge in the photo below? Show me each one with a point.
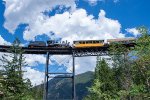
(74, 52)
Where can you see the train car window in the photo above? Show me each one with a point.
(97, 41)
(90, 41)
(77, 43)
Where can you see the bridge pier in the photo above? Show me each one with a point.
(73, 79)
(45, 94)
(47, 76)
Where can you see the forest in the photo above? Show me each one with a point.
(127, 78)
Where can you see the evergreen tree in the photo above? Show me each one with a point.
(14, 86)
(104, 75)
(1, 85)
(141, 67)
(103, 86)
(129, 77)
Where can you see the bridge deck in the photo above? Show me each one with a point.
(61, 51)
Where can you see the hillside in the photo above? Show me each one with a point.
(60, 88)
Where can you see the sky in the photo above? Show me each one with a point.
(70, 20)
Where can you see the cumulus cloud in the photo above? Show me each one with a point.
(26, 11)
(77, 25)
(34, 60)
(82, 64)
(133, 31)
(35, 76)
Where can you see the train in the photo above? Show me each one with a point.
(81, 43)
(50, 43)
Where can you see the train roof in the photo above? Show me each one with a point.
(121, 39)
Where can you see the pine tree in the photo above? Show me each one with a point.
(122, 68)
(103, 87)
(14, 86)
(1, 85)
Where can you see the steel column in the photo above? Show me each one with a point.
(45, 95)
(73, 79)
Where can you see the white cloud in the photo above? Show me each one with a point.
(133, 31)
(34, 60)
(82, 64)
(26, 11)
(35, 76)
(75, 26)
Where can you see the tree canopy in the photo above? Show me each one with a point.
(128, 78)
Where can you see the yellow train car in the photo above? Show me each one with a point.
(88, 43)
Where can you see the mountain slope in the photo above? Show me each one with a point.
(60, 88)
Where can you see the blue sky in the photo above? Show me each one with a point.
(130, 14)
(70, 20)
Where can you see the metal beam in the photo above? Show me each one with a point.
(61, 77)
(73, 79)
(45, 94)
(59, 73)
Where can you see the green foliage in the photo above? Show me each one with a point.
(14, 87)
(128, 78)
(37, 92)
(103, 87)
(142, 63)
(96, 92)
